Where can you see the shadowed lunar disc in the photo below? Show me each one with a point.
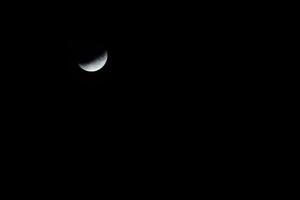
(95, 64)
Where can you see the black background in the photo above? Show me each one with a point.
(42, 86)
(152, 54)
(163, 62)
(169, 72)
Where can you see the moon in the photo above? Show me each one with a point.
(95, 64)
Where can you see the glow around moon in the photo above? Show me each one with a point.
(96, 64)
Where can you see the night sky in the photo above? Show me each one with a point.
(41, 79)
(150, 58)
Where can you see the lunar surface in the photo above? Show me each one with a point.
(95, 64)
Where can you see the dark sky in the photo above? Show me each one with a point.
(148, 53)
(41, 83)
(40, 78)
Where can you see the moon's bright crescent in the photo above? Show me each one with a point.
(95, 64)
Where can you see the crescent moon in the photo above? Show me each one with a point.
(95, 64)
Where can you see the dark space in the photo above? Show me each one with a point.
(50, 66)
(162, 64)
(41, 84)
(150, 57)
(167, 75)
